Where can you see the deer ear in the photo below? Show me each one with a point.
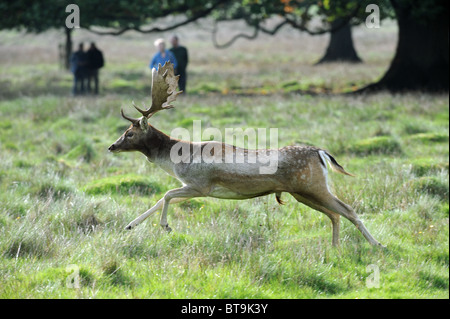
(143, 124)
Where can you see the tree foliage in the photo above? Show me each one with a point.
(302, 15)
(38, 16)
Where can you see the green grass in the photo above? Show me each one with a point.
(59, 209)
(64, 200)
(122, 184)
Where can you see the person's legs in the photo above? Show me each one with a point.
(74, 86)
(77, 83)
(182, 81)
(88, 81)
(83, 80)
(95, 76)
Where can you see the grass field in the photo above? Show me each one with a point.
(64, 200)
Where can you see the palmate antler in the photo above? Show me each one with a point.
(164, 90)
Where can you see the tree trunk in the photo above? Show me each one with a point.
(68, 48)
(340, 48)
(421, 58)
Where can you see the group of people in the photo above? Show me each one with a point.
(178, 55)
(85, 65)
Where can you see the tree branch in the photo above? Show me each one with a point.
(256, 30)
(153, 29)
(274, 30)
(286, 20)
(233, 39)
(342, 22)
(197, 16)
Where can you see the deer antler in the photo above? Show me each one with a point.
(132, 120)
(164, 86)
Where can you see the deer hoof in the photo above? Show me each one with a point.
(167, 228)
(129, 226)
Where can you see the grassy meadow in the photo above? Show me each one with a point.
(64, 200)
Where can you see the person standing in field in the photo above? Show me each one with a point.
(162, 56)
(181, 55)
(78, 63)
(95, 62)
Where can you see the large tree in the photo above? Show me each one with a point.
(340, 46)
(341, 16)
(421, 58)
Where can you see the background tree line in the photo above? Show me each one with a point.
(420, 61)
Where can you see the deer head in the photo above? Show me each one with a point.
(164, 92)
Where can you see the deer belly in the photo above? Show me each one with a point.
(223, 192)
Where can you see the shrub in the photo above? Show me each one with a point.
(430, 137)
(291, 86)
(20, 163)
(11, 146)
(445, 209)
(83, 151)
(87, 222)
(425, 166)
(376, 145)
(431, 185)
(5, 125)
(48, 189)
(120, 83)
(206, 88)
(112, 269)
(122, 184)
(29, 241)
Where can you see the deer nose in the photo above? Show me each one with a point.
(112, 148)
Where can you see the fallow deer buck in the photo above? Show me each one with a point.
(301, 170)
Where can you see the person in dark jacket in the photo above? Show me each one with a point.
(181, 55)
(95, 62)
(78, 63)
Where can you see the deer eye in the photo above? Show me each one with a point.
(130, 134)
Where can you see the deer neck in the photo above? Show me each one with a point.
(157, 146)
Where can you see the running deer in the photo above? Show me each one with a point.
(301, 170)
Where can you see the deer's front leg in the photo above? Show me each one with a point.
(145, 215)
(151, 211)
(184, 193)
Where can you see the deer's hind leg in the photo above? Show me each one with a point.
(335, 218)
(332, 204)
(336, 205)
